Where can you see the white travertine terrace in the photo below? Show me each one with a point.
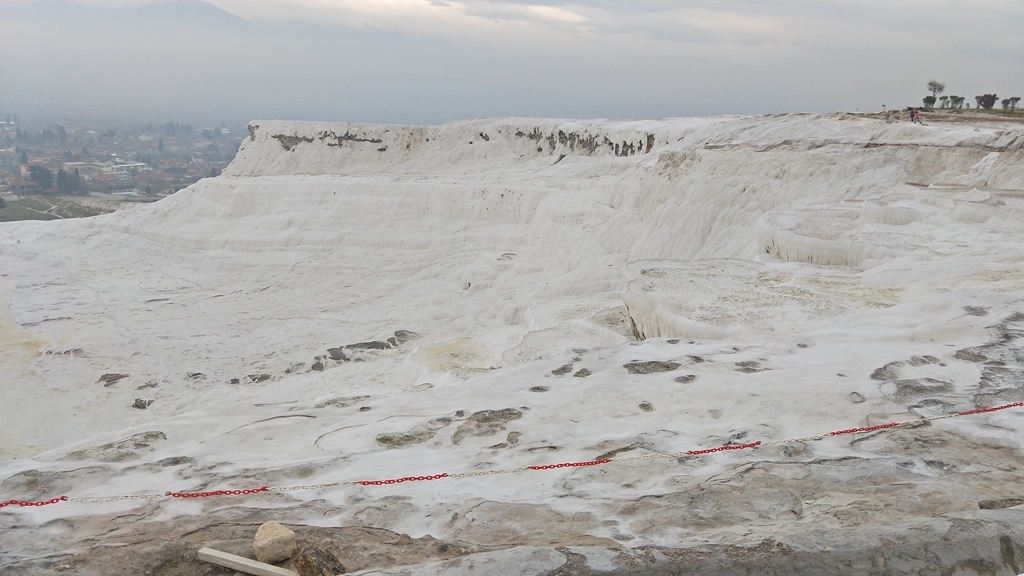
(803, 273)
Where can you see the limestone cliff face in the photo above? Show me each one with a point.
(338, 148)
(676, 188)
(927, 155)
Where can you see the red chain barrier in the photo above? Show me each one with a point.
(993, 409)
(540, 467)
(724, 448)
(28, 503)
(866, 429)
(400, 480)
(216, 493)
(569, 465)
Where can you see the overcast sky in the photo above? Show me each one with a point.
(430, 61)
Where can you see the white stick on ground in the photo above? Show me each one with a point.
(242, 564)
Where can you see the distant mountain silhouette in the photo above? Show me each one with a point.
(170, 13)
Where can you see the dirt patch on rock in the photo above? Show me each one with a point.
(650, 367)
(485, 423)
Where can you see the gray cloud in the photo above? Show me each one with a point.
(446, 60)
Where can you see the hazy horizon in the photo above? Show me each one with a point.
(432, 61)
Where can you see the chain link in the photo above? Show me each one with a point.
(312, 486)
(216, 493)
(106, 499)
(487, 473)
(645, 457)
(25, 503)
(401, 480)
(794, 440)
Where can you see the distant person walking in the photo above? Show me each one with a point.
(915, 116)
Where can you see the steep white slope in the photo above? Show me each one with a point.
(793, 274)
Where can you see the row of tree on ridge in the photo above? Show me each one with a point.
(984, 101)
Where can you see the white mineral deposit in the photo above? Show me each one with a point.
(463, 307)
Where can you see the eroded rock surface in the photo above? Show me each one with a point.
(485, 423)
(127, 449)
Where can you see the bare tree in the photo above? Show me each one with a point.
(936, 87)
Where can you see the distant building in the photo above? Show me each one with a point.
(129, 168)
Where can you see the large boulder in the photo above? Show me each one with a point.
(273, 543)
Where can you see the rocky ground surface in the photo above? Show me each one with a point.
(985, 541)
